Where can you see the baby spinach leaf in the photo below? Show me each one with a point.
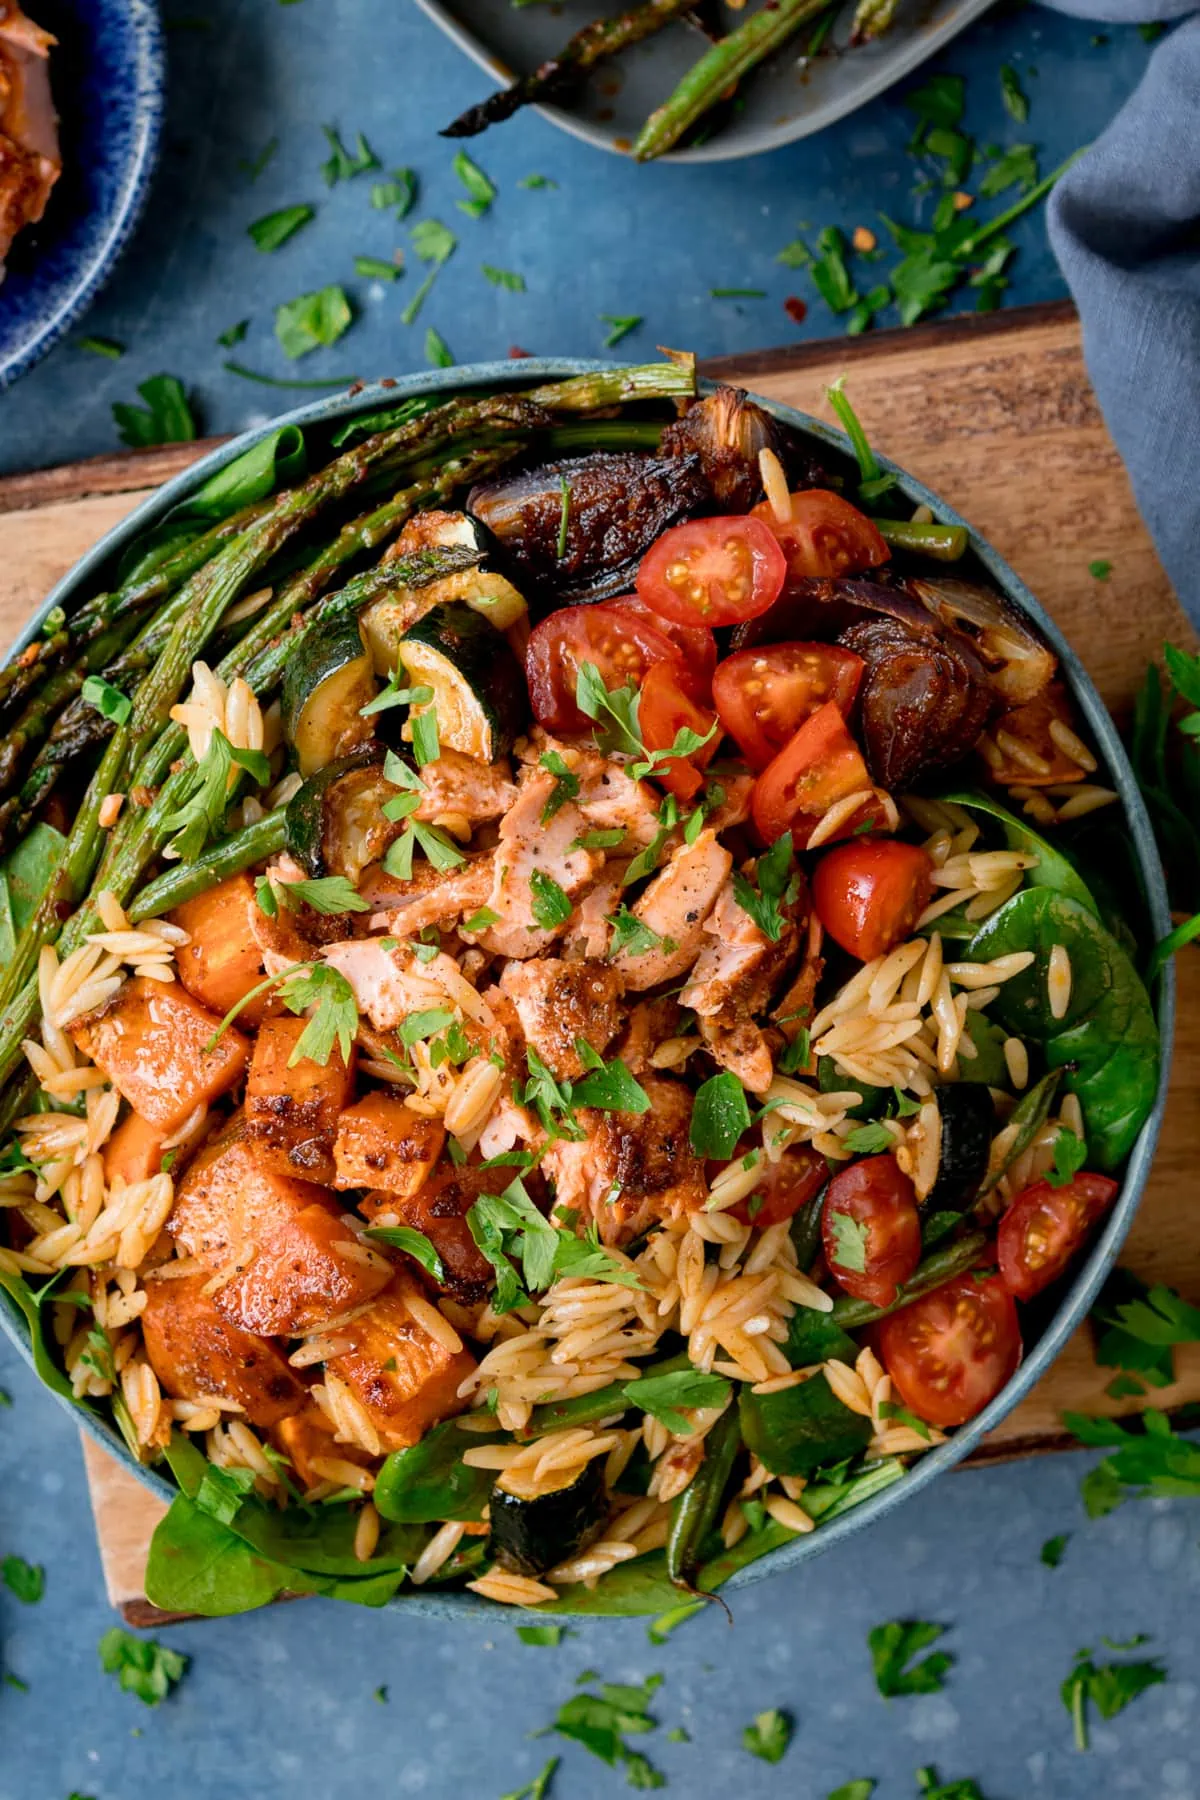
(987, 1065)
(197, 1565)
(27, 872)
(814, 1337)
(28, 1303)
(797, 1429)
(1052, 870)
(1107, 1042)
(430, 1482)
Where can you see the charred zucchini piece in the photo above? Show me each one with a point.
(488, 593)
(968, 1123)
(328, 681)
(532, 1534)
(479, 693)
(335, 825)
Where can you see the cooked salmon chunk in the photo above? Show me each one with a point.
(382, 1143)
(223, 962)
(199, 1354)
(153, 1042)
(290, 1262)
(307, 1440)
(458, 784)
(292, 1113)
(733, 979)
(439, 1209)
(404, 1378)
(531, 851)
(560, 1002)
(674, 907)
(631, 1171)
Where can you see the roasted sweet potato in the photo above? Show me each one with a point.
(196, 1352)
(439, 1209)
(292, 1261)
(292, 1113)
(305, 1437)
(134, 1152)
(405, 1379)
(223, 961)
(382, 1143)
(152, 1042)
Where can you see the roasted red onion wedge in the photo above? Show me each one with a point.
(923, 703)
(1017, 662)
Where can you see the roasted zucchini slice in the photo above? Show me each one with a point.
(387, 619)
(327, 682)
(968, 1121)
(533, 1532)
(479, 692)
(335, 825)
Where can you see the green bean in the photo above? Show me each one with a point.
(719, 69)
(945, 543)
(585, 1409)
(184, 881)
(695, 1511)
(939, 1266)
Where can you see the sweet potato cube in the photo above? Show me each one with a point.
(151, 1040)
(405, 1379)
(292, 1114)
(291, 1261)
(134, 1152)
(197, 1353)
(439, 1210)
(382, 1143)
(223, 961)
(305, 1437)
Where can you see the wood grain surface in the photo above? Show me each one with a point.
(998, 416)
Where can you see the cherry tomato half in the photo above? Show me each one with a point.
(623, 647)
(764, 695)
(712, 571)
(665, 710)
(695, 643)
(785, 1187)
(869, 895)
(1029, 725)
(870, 1218)
(952, 1350)
(1044, 1227)
(821, 764)
(825, 536)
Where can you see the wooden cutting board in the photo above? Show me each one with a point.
(995, 413)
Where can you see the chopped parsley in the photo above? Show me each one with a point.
(414, 1243)
(108, 700)
(853, 1790)
(613, 711)
(166, 418)
(274, 229)
(438, 353)
(434, 243)
(894, 1647)
(103, 346)
(1148, 1460)
(1138, 1327)
(607, 1087)
(1017, 167)
(737, 293)
(794, 1057)
(400, 193)
(601, 1723)
(662, 1396)
(873, 483)
(1100, 570)
(850, 1237)
(1016, 101)
(312, 321)
(1109, 1687)
(233, 334)
(539, 1787)
(778, 884)
(720, 1117)
(425, 741)
(436, 846)
(536, 181)
(396, 693)
(341, 164)
(930, 1788)
(619, 327)
(552, 906)
(566, 784)
(630, 937)
(547, 1636)
(373, 268)
(142, 1666)
(480, 187)
(253, 169)
(480, 920)
(207, 795)
(1052, 1550)
(503, 278)
(1070, 1154)
(870, 1139)
(25, 1581)
(769, 1736)
(329, 895)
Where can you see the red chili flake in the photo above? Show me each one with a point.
(389, 381)
(796, 308)
(516, 354)
(355, 388)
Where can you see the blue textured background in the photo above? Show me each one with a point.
(611, 238)
(280, 1704)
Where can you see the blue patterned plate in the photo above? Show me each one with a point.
(107, 75)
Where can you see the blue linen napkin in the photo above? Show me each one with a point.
(1125, 226)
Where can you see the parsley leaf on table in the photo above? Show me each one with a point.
(434, 243)
(1147, 1463)
(503, 278)
(1109, 1687)
(769, 1736)
(274, 229)
(481, 188)
(548, 1636)
(438, 353)
(853, 1790)
(601, 1722)
(1139, 1326)
(25, 1581)
(777, 886)
(1016, 101)
(894, 1646)
(539, 1787)
(233, 334)
(1017, 167)
(108, 701)
(619, 327)
(720, 1116)
(103, 346)
(930, 1788)
(312, 321)
(341, 165)
(1052, 1550)
(166, 417)
(373, 268)
(142, 1666)
(400, 192)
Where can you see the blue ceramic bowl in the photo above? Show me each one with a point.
(1089, 1276)
(107, 75)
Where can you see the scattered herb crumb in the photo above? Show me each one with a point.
(312, 321)
(930, 1788)
(480, 187)
(549, 1636)
(504, 278)
(854, 1790)
(1100, 570)
(341, 164)
(274, 229)
(142, 1666)
(15, 1682)
(374, 268)
(103, 346)
(25, 1581)
(769, 1736)
(1053, 1548)
(166, 417)
(1016, 102)
(252, 168)
(893, 1648)
(1109, 1687)
(438, 353)
(536, 181)
(233, 334)
(619, 326)
(539, 1787)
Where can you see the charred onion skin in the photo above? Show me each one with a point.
(924, 701)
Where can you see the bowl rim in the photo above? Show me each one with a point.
(149, 76)
(1083, 1289)
(923, 44)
